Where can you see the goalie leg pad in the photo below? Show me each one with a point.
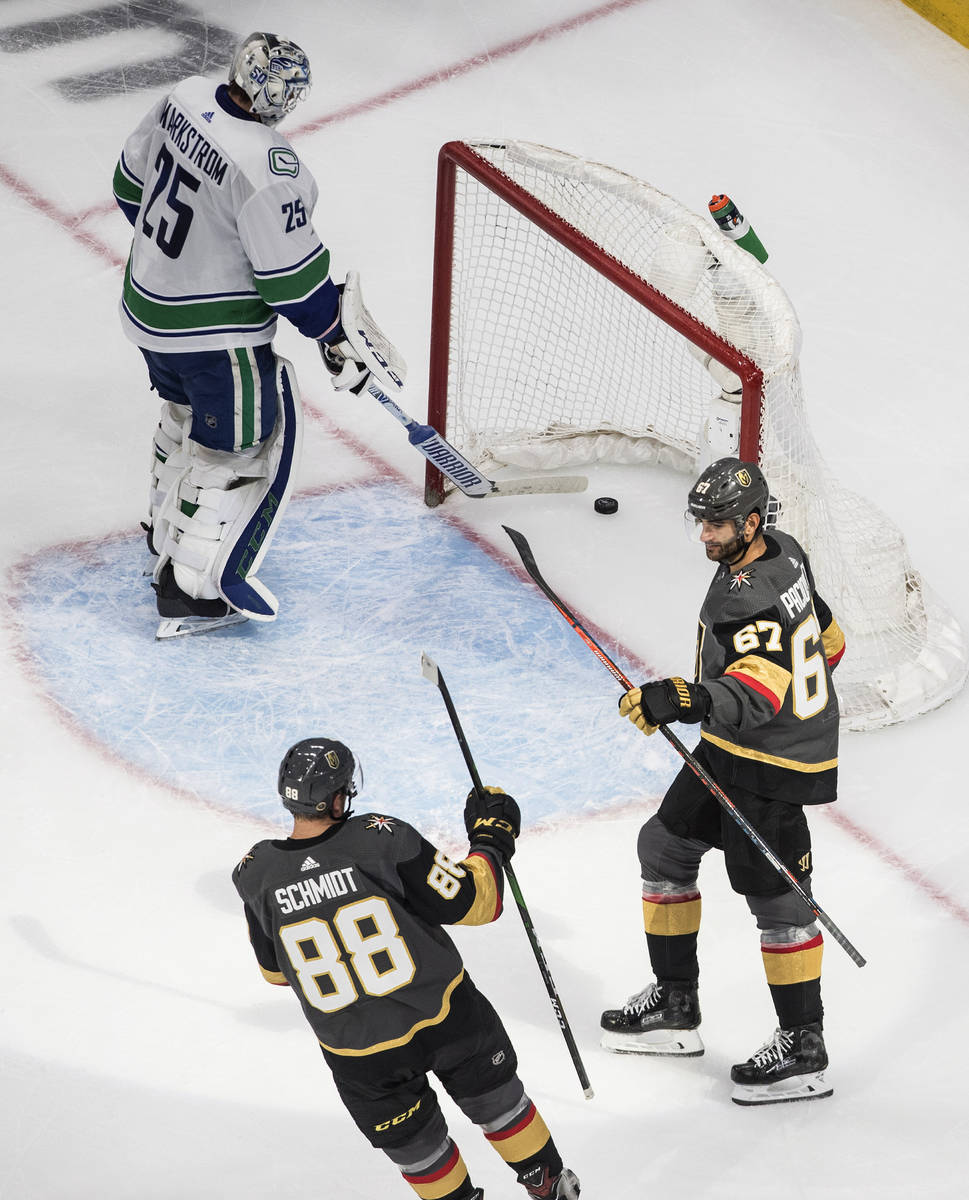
(221, 514)
(169, 458)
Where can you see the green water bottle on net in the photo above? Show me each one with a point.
(736, 226)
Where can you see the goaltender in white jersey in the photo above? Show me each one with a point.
(224, 243)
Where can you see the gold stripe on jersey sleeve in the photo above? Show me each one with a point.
(766, 675)
(274, 977)
(487, 903)
(833, 640)
(404, 1037)
(790, 763)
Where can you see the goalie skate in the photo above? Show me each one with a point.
(662, 1020)
(173, 627)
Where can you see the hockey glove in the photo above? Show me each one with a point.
(347, 374)
(666, 700)
(493, 821)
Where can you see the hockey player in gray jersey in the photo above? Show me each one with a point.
(221, 207)
(768, 714)
(348, 911)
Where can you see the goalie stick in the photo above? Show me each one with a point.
(465, 476)
(430, 671)
(530, 565)
(387, 373)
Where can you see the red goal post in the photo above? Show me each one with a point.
(455, 156)
(580, 314)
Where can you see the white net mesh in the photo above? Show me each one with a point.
(551, 363)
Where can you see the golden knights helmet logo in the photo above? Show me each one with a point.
(729, 490)
(313, 772)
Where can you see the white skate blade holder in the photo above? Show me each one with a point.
(810, 1086)
(174, 627)
(679, 1043)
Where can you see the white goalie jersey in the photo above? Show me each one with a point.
(223, 236)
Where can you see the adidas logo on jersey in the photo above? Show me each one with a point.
(208, 116)
(309, 863)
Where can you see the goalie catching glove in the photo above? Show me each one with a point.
(493, 821)
(666, 700)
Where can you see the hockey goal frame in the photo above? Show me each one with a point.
(908, 654)
(454, 156)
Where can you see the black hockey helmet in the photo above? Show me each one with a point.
(312, 773)
(730, 490)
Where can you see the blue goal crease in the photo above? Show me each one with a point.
(367, 579)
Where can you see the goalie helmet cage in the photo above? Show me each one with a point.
(581, 315)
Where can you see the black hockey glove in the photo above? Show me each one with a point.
(493, 821)
(347, 374)
(666, 700)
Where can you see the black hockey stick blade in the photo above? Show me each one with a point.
(520, 543)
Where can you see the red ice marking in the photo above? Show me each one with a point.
(72, 222)
(889, 856)
(382, 470)
(466, 65)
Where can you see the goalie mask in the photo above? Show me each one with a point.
(313, 773)
(273, 72)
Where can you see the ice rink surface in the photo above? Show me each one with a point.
(141, 1054)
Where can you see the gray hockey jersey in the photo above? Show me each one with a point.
(766, 647)
(352, 920)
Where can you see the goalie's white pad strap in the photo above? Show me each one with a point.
(169, 455)
(221, 514)
(368, 342)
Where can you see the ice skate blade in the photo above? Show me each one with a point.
(812, 1086)
(668, 1043)
(174, 627)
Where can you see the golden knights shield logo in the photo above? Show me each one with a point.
(743, 478)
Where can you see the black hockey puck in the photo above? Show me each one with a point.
(606, 504)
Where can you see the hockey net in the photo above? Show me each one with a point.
(581, 315)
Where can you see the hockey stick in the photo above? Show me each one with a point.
(528, 561)
(450, 462)
(430, 671)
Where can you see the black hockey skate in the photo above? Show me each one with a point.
(541, 1186)
(182, 614)
(790, 1066)
(662, 1019)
